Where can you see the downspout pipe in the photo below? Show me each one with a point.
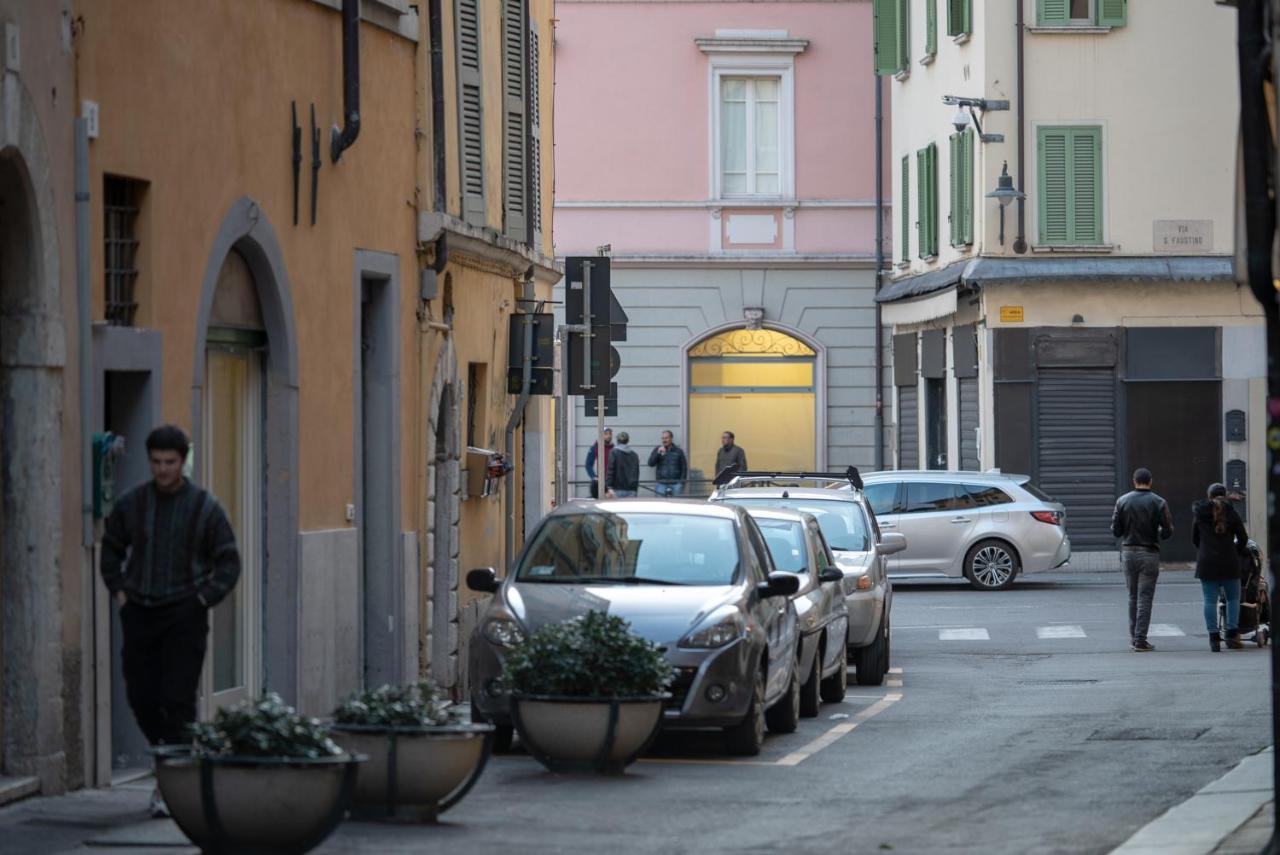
(343, 139)
(1020, 240)
(879, 423)
(517, 416)
(85, 330)
(436, 27)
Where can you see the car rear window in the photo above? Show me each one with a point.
(925, 496)
(842, 523)
(1036, 491)
(985, 495)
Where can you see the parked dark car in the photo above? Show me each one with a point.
(693, 577)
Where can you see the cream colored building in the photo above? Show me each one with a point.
(1102, 330)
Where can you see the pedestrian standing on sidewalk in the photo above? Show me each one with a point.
(671, 465)
(622, 477)
(594, 455)
(729, 454)
(1221, 541)
(1141, 520)
(168, 556)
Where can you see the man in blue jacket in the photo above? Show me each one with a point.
(593, 456)
(671, 465)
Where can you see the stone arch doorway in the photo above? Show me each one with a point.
(444, 513)
(246, 357)
(765, 386)
(31, 383)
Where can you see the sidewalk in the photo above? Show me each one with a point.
(1234, 814)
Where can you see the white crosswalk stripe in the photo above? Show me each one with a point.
(977, 633)
(1061, 631)
(1164, 630)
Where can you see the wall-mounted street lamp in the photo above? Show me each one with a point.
(967, 111)
(1005, 193)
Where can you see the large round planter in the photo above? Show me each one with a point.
(414, 774)
(255, 805)
(603, 735)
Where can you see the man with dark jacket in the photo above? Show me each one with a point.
(594, 456)
(729, 454)
(1141, 520)
(622, 477)
(671, 465)
(168, 556)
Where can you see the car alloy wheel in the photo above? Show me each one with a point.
(784, 716)
(991, 566)
(746, 737)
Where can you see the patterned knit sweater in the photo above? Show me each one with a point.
(164, 547)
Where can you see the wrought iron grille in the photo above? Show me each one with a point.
(120, 237)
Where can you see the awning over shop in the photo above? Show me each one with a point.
(978, 272)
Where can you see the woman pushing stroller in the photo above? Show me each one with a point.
(1221, 548)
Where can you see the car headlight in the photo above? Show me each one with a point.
(503, 632)
(716, 631)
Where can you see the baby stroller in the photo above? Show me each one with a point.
(1255, 600)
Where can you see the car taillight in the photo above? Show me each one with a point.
(1050, 517)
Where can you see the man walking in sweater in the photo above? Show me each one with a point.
(168, 556)
(1141, 520)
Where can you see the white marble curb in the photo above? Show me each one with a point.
(1198, 825)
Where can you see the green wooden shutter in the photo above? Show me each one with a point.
(966, 185)
(1052, 13)
(515, 126)
(930, 27)
(1112, 13)
(535, 138)
(470, 110)
(886, 36)
(1051, 156)
(954, 216)
(959, 17)
(1086, 185)
(922, 203)
(905, 201)
(904, 34)
(932, 155)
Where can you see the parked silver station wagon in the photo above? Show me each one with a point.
(987, 527)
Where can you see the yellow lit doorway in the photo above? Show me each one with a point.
(761, 385)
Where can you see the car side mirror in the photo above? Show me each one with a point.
(831, 574)
(779, 585)
(484, 580)
(891, 542)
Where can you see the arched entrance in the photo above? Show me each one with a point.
(244, 425)
(763, 386)
(444, 511)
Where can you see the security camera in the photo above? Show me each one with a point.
(960, 120)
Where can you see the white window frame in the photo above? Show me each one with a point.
(755, 66)
(1088, 20)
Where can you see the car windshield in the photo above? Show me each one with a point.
(785, 539)
(632, 548)
(842, 523)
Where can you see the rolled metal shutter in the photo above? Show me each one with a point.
(1077, 450)
(908, 427)
(968, 391)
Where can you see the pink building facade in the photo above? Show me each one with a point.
(726, 152)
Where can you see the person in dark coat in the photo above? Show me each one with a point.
(1221, 541)
(593, 455)
(622, 478)
(730, 454)
(672, 467)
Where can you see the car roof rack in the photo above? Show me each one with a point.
(730, 477)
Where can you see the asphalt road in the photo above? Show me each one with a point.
(1010, 743)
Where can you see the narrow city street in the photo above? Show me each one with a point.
(1012, 722)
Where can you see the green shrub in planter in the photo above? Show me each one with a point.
(264, 728)
(592, 656)
(415, 705)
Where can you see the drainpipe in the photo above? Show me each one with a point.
(86, 330)
(879, 424)
(437, 101)
(517, 415)
(1020, 242)
(341, 140)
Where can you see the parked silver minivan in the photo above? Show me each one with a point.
(988, 527)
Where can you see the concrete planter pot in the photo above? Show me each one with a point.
(603, 735)
(414, 774)
(255, 805)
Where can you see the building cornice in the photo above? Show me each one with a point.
(751, 44)
(758, 260)
(487, 245)
(598, 204)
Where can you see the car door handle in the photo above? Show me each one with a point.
(958, 520)
(888, 525)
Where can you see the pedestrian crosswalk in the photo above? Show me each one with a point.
(1052, 632)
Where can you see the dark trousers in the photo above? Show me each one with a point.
(163, 656)
(1141, 569)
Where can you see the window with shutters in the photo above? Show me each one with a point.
(904, 202)
(1069, 160)
(960, 215)
(515, 124)
(959, 17)
(927, 201)
(930, 30)
(1081, 13)
(470, 110)
(535, 137)
(892, 25)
